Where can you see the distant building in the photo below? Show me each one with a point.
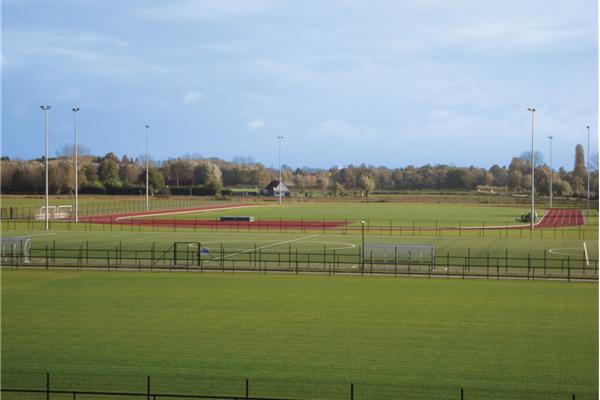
(273, 188)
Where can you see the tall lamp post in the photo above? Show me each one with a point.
(147, 126)
(279, 139)
(532, 219)
(551, 172)
(362, 247)
(75, 110)
(588, 173)
(45, 109)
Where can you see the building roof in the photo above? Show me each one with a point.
(274, 186)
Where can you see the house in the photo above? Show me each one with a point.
(273, 188)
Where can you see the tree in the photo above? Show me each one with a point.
(108, 170)
(579, 170)
(156, 181)
(561, 188)
(367, 184)
(526, 157)
(209, 175)
(515, 180)
(323, 183)
(500, 175)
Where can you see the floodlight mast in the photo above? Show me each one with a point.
(551, 172)
(362, 248)
(280, 138)
(75, 110)
(532, 218)
(45, 109)
(147, 126)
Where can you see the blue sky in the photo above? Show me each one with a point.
(381, 82)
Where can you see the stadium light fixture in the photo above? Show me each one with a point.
(146, 127)
(45, 109)
(279, 139)
(532, 218)
(588, 173)
(551, 172)
(75, 110)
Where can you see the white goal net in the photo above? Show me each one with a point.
(54, 212)
(15, 250)
(394, 253)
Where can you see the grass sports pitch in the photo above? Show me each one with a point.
(306, 336)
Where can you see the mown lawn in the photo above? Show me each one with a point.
(300, 336)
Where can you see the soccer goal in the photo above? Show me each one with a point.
(54, 212)
(391, 255)
(15, 250)
(188, 253)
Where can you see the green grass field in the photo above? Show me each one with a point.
(306, 336)
(300, 336)
(374, 213)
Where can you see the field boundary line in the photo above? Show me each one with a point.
(587, 260)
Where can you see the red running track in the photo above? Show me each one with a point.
(554, 218)
(561, 217)
(124, 219)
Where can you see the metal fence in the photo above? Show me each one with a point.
(193, 256)
(350, 391)
(114, 206)
(381, 228)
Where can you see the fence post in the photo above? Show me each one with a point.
(462, 394)
(247, 388)
(46, 255)
(469, 259)
(148, 388)
(351, 391)
(569, 268)
(47, 386)
(545, 251)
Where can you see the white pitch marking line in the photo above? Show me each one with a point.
(184, 212)
(587, 260)
(272, 245)
(40, 234)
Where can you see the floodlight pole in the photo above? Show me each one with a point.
(75, 110)
(147, 126)
(45, 109)
(279, 138)
(551, 173)
(588, 173)
(362, 247)
(532, 218)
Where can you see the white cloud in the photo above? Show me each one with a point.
(192, 97)
(338, 127)
(256, 124)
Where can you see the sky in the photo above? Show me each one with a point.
(391, 83)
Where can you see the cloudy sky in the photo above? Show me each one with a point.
(381, 82)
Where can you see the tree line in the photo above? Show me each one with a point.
(194, 175)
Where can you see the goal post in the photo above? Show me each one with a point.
(15, 250)
(189, 252)
(54, 212)
(386, 254)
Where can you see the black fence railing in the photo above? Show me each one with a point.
(194, 256)
(349, 391)
(371, 227)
